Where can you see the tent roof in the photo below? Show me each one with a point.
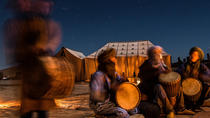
(76, 53)
(134, 48)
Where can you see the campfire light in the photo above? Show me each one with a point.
(9, 104)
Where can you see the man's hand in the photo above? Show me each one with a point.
(172, 100)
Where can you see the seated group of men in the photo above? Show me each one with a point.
(154, 99)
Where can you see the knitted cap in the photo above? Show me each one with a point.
(199, 50)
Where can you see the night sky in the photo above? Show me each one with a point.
(176, 25)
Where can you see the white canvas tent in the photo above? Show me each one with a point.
(130, 55)
(76, 59)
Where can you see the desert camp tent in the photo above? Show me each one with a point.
(130, 55)
(76, 59)
(10, 73)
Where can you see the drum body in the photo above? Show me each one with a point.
(50, 77)
(171, 83)
(192, 89)
(128, 96)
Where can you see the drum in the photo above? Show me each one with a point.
(128, 96)
(171, 83)
(50, 77)
(192, 89)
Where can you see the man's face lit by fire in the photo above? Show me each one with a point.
(113, 59)
(194, 57)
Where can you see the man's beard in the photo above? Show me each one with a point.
(157, 62)
(108, 68)
(192, 69)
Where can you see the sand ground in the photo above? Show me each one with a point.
(74, 106)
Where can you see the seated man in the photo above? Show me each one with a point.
(194, 68)
(153, 93)
(103, 85)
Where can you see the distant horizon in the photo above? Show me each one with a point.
(60, 47)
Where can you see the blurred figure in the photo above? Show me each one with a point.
(103, 86)
(184, 60)
(29, 35)
(179, 61)
(31, 31)
(194, 68)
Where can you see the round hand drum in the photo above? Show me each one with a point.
(128, 96)
(192, 89)
(62, 77)
(171, 83)
(50, 77)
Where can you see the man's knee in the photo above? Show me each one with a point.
(160, 91)
(149, 110)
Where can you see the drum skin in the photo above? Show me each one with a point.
(192, 89)
(128, 96)
(171, 83)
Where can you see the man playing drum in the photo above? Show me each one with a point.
(103, 86)
(153, 93)
(194, 68)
